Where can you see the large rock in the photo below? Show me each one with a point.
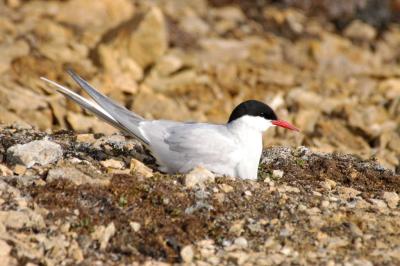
(149, 41)
(40, 152)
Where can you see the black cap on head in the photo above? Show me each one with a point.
(252, 108)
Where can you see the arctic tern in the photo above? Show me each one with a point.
(231, 149)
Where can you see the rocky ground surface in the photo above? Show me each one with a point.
(68, 199)
(330, 67)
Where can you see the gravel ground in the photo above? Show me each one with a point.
(94, 205)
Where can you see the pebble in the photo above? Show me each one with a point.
(391, 198)
(241, 242)
(135, 226)
(187, 254)
(140, 168)
(198, 177)
(277, 174)
(112, 163)
(40, 152)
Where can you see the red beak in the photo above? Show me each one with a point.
(284, 124)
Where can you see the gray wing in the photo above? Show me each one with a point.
(182, 146)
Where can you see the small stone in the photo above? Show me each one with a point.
(112, 163)
(328, 184)
(226, 188)
(135, 226)
(237, 227)
(277, 174)
(140, 168)
(5, 250)
(346, 193)
(75, 176)
(361, 31)
(248, 193)
(103, 234)
(187, 254)
(25, 218)
(40, 152)
(379, 204)
(241, 242)
(391, 198)
(325, 204)
(20, 169)
(5, 171)
(87, 138)
(198, 177)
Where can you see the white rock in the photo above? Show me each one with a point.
(187, 254)
(391, 198)
(198, 177)
(277, 174)
(135, 226)
(40, 152)
(241, 242)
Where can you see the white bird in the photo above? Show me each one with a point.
(231, 149)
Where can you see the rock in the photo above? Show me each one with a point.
(226, 188)
(135, 226)
(112, 163)
(5, 171)
(103, 15)
(140, 168)
(25, 218)
(198, 177)
(277, 174)
(75, 176)
(391, 198)
(5, 250)
(187, 254)
(40, 152)
(360, 31)
(328, 184)
(149, 40)
(241, 242)
(87, 138)
(103, 234)
(347, 193)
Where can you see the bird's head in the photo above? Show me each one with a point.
(258, 115)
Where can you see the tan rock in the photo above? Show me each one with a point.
(140, 168)
(348, 192)
(149, 40)
(103, 234)
(358, 30)
(187, 254)
(112, 163)
(392, 199)
(25, 218)
(198, 177)
(103, 15)
(5, 171)
(75, 176)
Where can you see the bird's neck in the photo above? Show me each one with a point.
(249, 124)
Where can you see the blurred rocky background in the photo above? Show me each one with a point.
(330, 67)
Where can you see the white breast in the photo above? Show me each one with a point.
(248, 132)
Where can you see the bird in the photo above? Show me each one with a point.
(232, 149)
